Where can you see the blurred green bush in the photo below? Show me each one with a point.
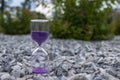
(60, 29)
(82, 19)
(103, 32)
(1, 29)
(65, 31)
(16, 21)
(116, 24)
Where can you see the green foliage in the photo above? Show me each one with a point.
(84, 32)
(116, 24)
(1, 29)
(17, 21)
(60, 31)
(103, 32)
(87, 20)
(66, 31)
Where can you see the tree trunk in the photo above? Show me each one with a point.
(2, 5)
(2, 12)
(26, 4)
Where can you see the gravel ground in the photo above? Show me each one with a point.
(68, 59)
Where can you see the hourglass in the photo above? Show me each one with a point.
(40, 33)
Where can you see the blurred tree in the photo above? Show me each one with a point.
(4, 5)
(28, 4)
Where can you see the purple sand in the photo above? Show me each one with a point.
(39, 36)
(39, 70)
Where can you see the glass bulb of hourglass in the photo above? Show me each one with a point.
(40, 36)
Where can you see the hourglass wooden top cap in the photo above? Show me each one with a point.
(39, 20)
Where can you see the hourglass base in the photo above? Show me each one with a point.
(40, 55)
(39, 70)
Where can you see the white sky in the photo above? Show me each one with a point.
(16, 2)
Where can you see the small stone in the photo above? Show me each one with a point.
(64, 78)
(29, 79)
(1, 69)
(66, 65)
(67, 53)
(71, 72)
(78, 77)
(18, 71)
(20, 79)
(28, 76)
(5, 76)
